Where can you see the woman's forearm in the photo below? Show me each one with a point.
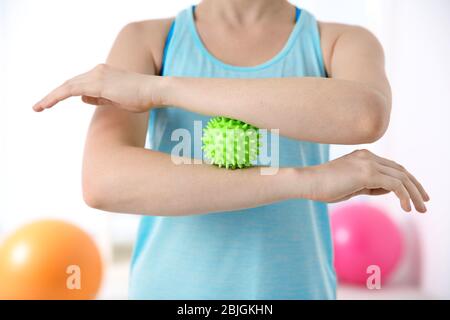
(313, 109)
(322, 110)
(135, 180)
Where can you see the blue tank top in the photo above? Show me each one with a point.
(277, 251)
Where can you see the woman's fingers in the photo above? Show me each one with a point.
(393, 164)
(412, 189)
(382, 181)
(76, 86)
(59, 94)
(65, 91)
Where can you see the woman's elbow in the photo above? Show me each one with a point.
(375, 120)
(93, 192)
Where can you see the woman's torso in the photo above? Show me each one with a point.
(278, 251)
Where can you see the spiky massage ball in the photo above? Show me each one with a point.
(230, 143)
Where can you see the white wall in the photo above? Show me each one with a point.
(43, 43)
(420, 130)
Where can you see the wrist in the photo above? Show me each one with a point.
(166, 88)
(300, 182)
(155, 91)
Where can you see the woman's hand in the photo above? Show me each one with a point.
(362, 172)
(105, 85)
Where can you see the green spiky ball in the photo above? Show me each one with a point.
(230, 143)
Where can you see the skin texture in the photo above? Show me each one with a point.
(350, 107)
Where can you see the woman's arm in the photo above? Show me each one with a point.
(119, 175)
(351, 107)
(136, 180)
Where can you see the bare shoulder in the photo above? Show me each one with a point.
(333, 34)
(145, 39)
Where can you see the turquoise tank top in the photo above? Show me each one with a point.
(277, 251)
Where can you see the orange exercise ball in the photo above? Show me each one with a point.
(49, 260)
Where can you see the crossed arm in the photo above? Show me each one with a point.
(351, 107)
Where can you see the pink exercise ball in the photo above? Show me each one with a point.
(363, 236)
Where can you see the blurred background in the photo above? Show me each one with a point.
(44, 42)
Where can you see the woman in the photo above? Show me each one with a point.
(210, 233)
